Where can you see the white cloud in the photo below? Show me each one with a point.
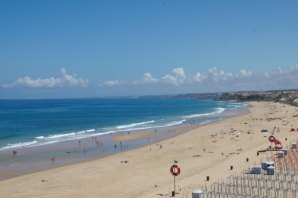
(66, 80)
(226, 76)
(72, 80)
(283, 72)
(169, 79)
(221, 75)
(213, 73)
(179, 73)
(244, 73)
(217, 79)
(148, 78)
(177, 77)
(35, 83)
(266, 74)
(281, 78)
(199, 77)
(113, 83)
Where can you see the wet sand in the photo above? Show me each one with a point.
(209, 150)
(126, 137)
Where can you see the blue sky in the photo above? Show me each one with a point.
(54, 49)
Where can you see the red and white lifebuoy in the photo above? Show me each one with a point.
(271, 138)
(175, 170)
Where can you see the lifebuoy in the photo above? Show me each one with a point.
(175, 170)
(271, 138)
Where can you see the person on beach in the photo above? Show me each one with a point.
(14, 152)
(121, 145)
(53, 159)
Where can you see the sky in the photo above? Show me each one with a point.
(74, 49)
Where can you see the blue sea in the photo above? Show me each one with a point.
(28, 123)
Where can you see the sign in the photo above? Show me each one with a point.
(175, 170)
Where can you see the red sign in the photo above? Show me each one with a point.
(175, 170)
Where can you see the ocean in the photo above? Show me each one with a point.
(29, 123)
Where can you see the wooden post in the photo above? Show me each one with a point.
(174, 185)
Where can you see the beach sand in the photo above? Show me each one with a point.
(209, 150)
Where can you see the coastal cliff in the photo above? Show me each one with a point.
(283, 96)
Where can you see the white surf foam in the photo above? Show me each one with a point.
(174, 123)
(217, 111)
(18, 145)
(86, 131)
(66, 136)
(61, 135)
(81, 132)
(134, 124)
(220, 110)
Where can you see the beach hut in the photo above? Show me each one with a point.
(256, 170)
(198, 194)
(269, 163)
(285, 151)
(270, 170)
(294, 145)
(264, 165)
(280, 154)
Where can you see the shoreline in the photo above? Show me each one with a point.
(34, 137)
(208, 150)
(45, 157)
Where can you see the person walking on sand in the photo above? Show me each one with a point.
(53, 160)
(85, 149)
(121, 145)
(14, 152)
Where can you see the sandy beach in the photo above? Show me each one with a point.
(209, 150)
